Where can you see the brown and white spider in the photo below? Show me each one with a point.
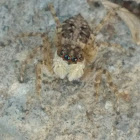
(75, 52)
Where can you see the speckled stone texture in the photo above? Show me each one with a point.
(66, 110)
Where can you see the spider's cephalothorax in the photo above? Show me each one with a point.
(75, 35)
(76, 48)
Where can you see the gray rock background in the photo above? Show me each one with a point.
(67, 110)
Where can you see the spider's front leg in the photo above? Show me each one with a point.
(27, 61)
(104, 20)
(47, 56)
(47, 62)
(7, 42)
(110, 83)
(114, 45)
(53, 12)
(30, 34)
(58, 26)
(32, 54)
(98, 81)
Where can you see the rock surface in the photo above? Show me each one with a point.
(66, 110)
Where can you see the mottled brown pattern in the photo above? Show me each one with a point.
(75, 31)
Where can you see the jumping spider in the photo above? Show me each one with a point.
(76, 49)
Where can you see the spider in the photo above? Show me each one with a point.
(75, 51)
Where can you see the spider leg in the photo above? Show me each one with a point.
(87, 71)
(124, 95)
(51, 8)
(39, 67)
(58, 27)
(90, 49)
(112, 86)
(98, 82)
(47, 62)
(30, 35)
(114, 45)
(47, 56)
(104, 20)
(22, 35)
(38, 77)
(27, 61)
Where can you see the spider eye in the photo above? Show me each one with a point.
(74, 59)
(66, 57)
